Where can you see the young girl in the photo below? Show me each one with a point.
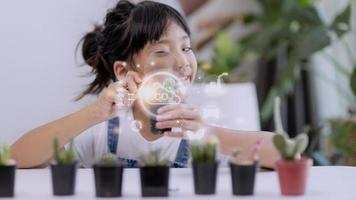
(134, 41)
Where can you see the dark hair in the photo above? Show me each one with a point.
(126, 30)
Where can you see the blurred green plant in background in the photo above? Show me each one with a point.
(296, 28)
(227, 56)
(341, 143)
(292, 27)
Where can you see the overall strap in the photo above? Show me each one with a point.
(112, 138)
(182, 154)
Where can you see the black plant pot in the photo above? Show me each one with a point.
(7, 180)
(243, 178)
(108, 180)
(63, 178)
(205, 177)
(153, 122)
(154, 181)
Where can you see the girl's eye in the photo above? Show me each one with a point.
(187, 49)
(161, 52)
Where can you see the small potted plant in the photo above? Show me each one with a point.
(63, 169)
(7, 173)
(205, 164)
(243, 171)
(154, 175)
(108, 172)
(292, 169)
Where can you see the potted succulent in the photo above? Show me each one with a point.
(205, 164)
(154, 175)
(292, 169)
(243, 171)
(7, 173)
(63, 169)
(108, 173)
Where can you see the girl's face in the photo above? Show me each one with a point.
(172, 53)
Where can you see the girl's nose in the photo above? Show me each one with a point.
(184, 68)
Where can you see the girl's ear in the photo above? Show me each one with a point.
(120, 69)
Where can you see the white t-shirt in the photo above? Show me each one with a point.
(91, 145)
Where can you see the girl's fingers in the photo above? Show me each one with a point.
(183, 134)
(133, 79)
(137, 77)
(131, 84)
(175, 134)
(184, 124)
(170, 107)
(117, 93)
(178, 113)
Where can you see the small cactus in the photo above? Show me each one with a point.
(64, 156)
(5, 155)
(290, 149)
(109, 159)
(204, 150)
(152, 159)
(250, 157)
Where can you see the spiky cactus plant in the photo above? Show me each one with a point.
(152, 159)
(64, 156)
(289, 148)
(5, 155)
(204, 150)
(109, 159)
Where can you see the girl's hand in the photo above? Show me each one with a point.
(184, 116)
(116, 98)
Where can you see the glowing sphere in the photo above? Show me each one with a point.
(159, 89)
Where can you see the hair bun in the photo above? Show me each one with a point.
(91, 46)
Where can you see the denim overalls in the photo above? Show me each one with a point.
(112, 141)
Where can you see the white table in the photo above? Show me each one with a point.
(324, 183)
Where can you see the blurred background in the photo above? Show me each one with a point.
(301, 50)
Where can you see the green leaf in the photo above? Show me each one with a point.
(56, 149)
(227, 55)
(341, 23)
(310, 42)
(301, 143)
(306, 3)
(249, 19)
(4, 155)
(280, 143)
(271, 9)
(353, 81)
(262, 40)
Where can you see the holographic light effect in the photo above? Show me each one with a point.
(158, 89)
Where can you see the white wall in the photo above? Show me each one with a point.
(39, 75)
